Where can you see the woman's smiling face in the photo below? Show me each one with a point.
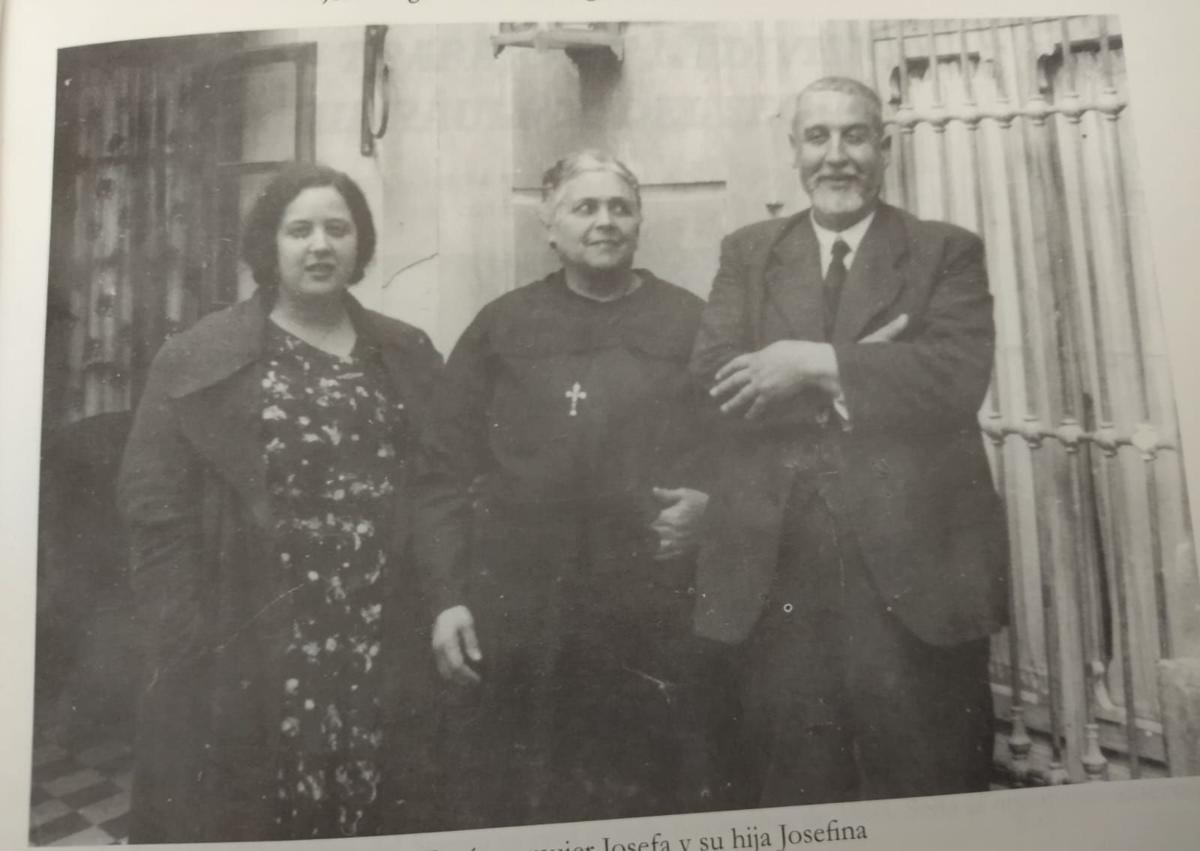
(595, 223)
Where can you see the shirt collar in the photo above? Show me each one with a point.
(852, 235)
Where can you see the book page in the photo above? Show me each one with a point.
(130, 165)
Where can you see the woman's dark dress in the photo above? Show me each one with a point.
(557, 417)
(330, 448)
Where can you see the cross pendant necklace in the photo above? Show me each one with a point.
(575, 394)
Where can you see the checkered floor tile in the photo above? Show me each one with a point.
(80, 798)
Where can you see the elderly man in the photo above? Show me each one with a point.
(857, 551)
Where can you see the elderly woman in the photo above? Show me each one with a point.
(265, 483)
(555, 526)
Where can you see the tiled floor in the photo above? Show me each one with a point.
(83, 798)
(80, 798)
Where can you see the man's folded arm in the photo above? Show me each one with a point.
(724, 334)
(937, 373)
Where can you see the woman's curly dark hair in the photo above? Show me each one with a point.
(259, 249)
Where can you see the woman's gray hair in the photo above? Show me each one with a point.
(575, 164)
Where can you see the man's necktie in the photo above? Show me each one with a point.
(834, 278)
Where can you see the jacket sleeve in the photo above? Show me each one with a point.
(727, 329)
(452, 453)
(158, 492)
(937, 374)
(724, 325)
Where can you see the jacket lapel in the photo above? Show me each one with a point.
(224, 423)
(221, 344)
(402, 376)
(219, 401)
(875, 278)
(792, 282)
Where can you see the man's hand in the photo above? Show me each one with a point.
(751, 382)
(455, 646)
(678, 524)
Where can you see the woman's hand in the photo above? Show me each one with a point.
(678, 524)
(455, 646)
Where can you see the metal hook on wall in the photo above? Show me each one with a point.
(375, 82)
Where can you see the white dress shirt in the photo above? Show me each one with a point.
(853, 237)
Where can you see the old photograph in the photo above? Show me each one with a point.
(473, 425)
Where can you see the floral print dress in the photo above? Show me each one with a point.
(331, 453)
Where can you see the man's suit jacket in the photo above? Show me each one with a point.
(916, 481)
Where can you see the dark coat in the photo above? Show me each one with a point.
(921, 503)
(215, 616)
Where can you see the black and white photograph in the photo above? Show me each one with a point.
(455, 426)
